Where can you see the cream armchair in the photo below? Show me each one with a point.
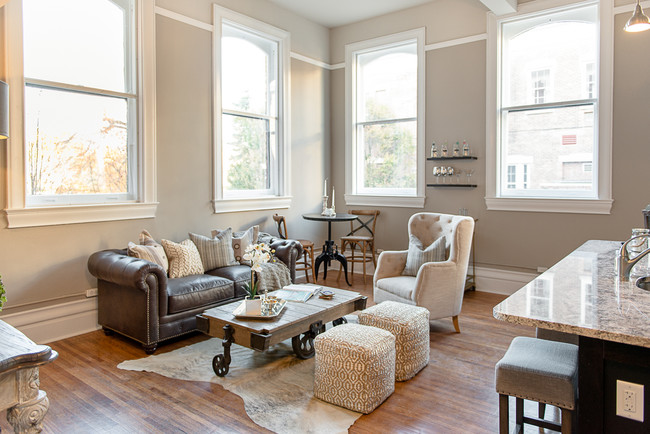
(438, 286)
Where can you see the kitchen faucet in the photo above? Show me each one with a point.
(624, 264)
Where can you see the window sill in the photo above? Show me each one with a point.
(571, 206)
(64, 215)
(394, 201)
(251, 204)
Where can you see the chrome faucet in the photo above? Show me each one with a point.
(624, 264)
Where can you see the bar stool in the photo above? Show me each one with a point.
(542, 371)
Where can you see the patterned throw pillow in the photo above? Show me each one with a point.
(184, 258)
(149, 250)
(215, 252)
(241, 240)
(417, 255)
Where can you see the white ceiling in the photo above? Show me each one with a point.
(333, 13)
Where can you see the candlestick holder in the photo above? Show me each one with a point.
(324, 211)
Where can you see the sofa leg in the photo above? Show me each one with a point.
(150, 349)
(108, 332)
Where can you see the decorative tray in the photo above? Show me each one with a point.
(240, 311)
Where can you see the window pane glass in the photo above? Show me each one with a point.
(387, 84)
(246, 153)
(79, 42)
(545, 58)
(249, 72)
(76, 143)
(549, 152)
(389, 156)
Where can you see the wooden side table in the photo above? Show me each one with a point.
(19, 382)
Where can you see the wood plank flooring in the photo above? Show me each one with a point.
(454, 394)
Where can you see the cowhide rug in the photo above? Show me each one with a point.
(276, 386)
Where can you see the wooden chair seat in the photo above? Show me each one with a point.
(362, 247)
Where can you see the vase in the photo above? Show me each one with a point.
(253, 306)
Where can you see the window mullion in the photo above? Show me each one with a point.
(74, 88)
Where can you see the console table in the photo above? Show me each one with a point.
(19, 382)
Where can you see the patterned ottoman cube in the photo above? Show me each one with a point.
(410, 325)
(355, 366)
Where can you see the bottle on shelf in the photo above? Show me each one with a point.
(434, 150)
(465, 149)
(456, 150)
(443, 151)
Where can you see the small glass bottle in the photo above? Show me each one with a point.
(465, 149)
(456, 151)
(443, 150)
(434, 150)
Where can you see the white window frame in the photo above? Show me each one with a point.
(603, 203)
(282, 198)
(352, 197)
(19, 214)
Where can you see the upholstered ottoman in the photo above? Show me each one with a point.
(410, 325)
(355, 366)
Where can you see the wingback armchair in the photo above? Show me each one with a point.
(438, 286)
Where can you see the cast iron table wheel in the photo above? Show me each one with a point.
(303, 345)
(221, 362)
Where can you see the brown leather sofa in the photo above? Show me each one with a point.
(138, 300)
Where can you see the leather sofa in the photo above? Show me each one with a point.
(137, 299)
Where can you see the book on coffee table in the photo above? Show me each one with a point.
(300, 292)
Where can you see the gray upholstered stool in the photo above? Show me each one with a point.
(542, 371)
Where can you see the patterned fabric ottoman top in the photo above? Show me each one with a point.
(355, 366)
(410, 325)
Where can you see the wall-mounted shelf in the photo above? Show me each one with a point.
(453, 185)
(471, 157)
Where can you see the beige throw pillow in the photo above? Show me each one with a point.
(184, 258)
(241, 240)
(149, 250)
(215, 252)
(417, 255)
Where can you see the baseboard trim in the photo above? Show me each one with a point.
(501, 281)
(53, 323)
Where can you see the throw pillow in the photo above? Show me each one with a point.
(184, 258)
(241, 240)
(149, 250)
(215, 252)
(417, 255)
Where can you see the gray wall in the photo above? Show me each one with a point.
(455, 110)
(47, 265)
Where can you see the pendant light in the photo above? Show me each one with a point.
(639, 22)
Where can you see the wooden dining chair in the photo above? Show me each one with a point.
(307, 262)
(361, 237)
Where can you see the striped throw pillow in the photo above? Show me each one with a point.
(215, 252)
(184, 258)
(417, 255)
(149, 250)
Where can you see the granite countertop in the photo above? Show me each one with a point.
(582, 295)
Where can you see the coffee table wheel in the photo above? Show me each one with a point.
(339, 321)
(303, 345)
(220, 366)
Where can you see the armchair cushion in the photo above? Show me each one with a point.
(401, 286)
(418, 254)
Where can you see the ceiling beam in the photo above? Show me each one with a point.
(501, 7)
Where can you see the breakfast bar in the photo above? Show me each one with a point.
(583, 295)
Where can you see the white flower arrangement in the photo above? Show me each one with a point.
(257, 254)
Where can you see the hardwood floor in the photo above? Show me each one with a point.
(454, 394)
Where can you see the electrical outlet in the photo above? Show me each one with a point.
(92, 292)
(629, 400)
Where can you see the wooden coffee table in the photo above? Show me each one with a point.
(299, 321)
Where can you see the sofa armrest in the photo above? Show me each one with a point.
(287, 251)
(116, 267)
